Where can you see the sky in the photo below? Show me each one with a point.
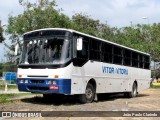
(116, 13)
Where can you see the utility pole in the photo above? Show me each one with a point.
(131, 24)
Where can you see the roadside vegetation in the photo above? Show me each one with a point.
(2, 87)
(5, 98)
(155, 85)
(8, 97)
(9, 86)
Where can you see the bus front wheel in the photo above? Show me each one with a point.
(133, 93)
(89, 94)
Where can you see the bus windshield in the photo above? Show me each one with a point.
(46, 51)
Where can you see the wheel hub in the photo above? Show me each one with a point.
(89, 93)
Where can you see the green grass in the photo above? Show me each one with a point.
(4, 98)
(9, 81)
(2, 87)
(155, 86)
(2, 82)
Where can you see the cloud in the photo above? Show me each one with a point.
(115, 12)
(9, 7)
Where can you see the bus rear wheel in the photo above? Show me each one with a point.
(89, 94)
(133, 93)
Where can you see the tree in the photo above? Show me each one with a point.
(143, 37)
(43, 14)
(1, 33)
(1, 67)
(83, 23)
(155, 41)
(35, 16)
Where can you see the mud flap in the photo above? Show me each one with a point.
(95, 98)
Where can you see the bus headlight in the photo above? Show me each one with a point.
(49, 82)
(26, 81)
(54, 83)
(21, 81)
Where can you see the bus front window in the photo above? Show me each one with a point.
(46, 51)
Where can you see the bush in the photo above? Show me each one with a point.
(155, 85)
(155, 73)
(9, 67)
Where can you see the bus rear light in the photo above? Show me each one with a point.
(53, 87)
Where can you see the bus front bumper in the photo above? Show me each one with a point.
(44, 86)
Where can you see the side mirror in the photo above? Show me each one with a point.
(79, 44)
(16, 49)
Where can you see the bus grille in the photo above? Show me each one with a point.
(37, 81)
(37, 88)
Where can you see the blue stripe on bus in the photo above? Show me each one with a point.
(64, 86)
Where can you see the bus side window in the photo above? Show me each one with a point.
(95, 50)
(146, 62)
(107, 53)
(83, 54)
(134, 59)
(141, 61)
(117, 55)
(127, 57)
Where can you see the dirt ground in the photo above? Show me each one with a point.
(148, 100)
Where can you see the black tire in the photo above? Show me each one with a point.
(133, 93)
(126, 94)
(88, 97)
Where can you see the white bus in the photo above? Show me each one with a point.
(64, 61)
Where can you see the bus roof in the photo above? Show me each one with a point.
(74, 31)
